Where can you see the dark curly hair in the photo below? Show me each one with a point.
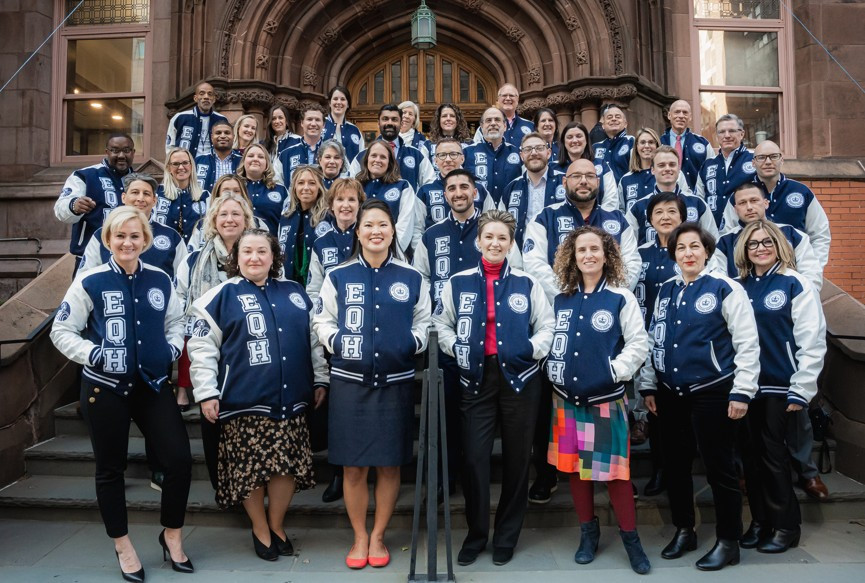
(565, 265)
(461, 132)
(233, 269)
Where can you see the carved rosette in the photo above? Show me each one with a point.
(572, 23)
(534, 76)
(474, 6)
(270, 26)
(262, 60)
(515, 33)
(582, 57)
(310, 77)
(328, 36)
(369, 6)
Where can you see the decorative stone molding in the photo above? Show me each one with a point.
(532, 104)
(328, 36)
(572, 23)
(615, 36)
(576, 97)
(582, 57)
(369, 6)
(289, 102)
(557, 99)
(262, 60)
(310, 77)
(270, 26)
(515, 33)
(228, 36)
(249, 97)
(474, 6)
(534, 76)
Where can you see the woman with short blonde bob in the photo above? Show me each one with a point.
(792, 332)
(267, 196)
(124, 323)
(185, 202)
(245, 132)
(598, 320)
(301, 221)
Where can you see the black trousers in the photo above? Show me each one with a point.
(700, 420)
(453, 391)
(107, 415)
(497, 405)
(767, 464)
(545, 472)
(210, 444)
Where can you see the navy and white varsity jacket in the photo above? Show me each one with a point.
(328, 250)
(267, 203)
(205, 168)
(695, 151)
(182, 213)
(287, 140)
(716, 184)
(350, 136)
(400, 197)
(166, 252)
(514, 131)
(121, 327)
(698, 212)
(549, 229)
(656, 269)
(190, 130)
(792, 203)
(702, 335)
(635, 185)
(287, 235)
(252, 347)
(494, 168)
(292, 157)
(724, 258)
(436, 207)
(792, 334)
(414, 167)
(515, 198)
(100, 182)
(417, 140)
(373, 320)
(524, 325)
(602, 327)
(614, 152)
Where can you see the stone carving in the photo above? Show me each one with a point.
(534, 76)
(310, 77)
(515, 33)
(532, 104)
(576, 97)
(262, 60)
(228, 35)
(289, 102)
(328, 36)
(474, 6)
(615, 35)
(582, 57)
(572, 23)
(369, 6)
(250, 97)
(270, 26)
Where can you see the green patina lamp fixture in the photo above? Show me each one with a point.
(423, 28)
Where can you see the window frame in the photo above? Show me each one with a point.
(786, 70)
(60, 99)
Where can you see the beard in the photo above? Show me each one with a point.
(389, 132)
(575, 198)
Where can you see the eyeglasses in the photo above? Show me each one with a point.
(580, 176)
(534, 149)
(116, 151)
(754, 245)
(447, 155)
(761, 158)
(179, 164)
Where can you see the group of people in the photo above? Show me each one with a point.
(290, 284)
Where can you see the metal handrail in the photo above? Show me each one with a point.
(33, 333)
(19, 239)
(36, 259)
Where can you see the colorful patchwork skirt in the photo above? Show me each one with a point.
(592, 441)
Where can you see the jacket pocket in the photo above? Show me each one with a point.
(224, 382)
(611, 369)
(712, 354)
(791, 357)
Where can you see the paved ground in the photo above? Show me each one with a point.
(66, 552)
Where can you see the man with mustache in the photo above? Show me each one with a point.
(221, 160)
(493, 160)
(516, 127)
(190, 129)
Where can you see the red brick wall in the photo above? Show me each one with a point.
(844, 203)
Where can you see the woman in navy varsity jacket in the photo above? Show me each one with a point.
(497, 323)
(302, 221)
(598, 321)
(337, 127)
(792, 347)
(257, 367)
(267, 196)
(379, 175)
(372, 315)
(181, 202)
(699, 380)
(124, 323)
(336, 242)
(279, 136)
(332, 161)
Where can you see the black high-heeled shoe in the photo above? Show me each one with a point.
(283, 547)
(268, 553)
(184, 567)
(136, 577)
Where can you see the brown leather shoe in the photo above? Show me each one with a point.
(815, 488)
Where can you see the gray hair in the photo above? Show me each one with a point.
(133, 176)
(731, 117)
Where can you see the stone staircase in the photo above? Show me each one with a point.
(59, 486)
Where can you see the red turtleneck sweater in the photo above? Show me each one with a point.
(491, 274)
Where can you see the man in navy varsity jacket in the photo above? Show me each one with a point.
(615, 151)
(548, 230)
(190, 129)
(516, 126)
(414, 166)
(305, 152)
(734, 165)
(693, 149)
(790, 202)
(539, 186)
(89, 194)
(493, 160)
(221, 160)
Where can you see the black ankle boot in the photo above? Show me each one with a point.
(754, 535)
(333, 492)
(655, 485)
(683, 541)
(590, 534)
(725, 552)
(780, 541)
(636, 555)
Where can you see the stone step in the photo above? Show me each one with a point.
(72, 498)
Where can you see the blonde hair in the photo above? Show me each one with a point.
(786, 255)
(170, 189)
(268, 177)
(319, 207)
(236, 144)
(497, 216)
(635, 164)
(213, 210)
(342, 184)
(119, 217)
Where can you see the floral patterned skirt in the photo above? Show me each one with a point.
(592, 441)
(253, 448)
